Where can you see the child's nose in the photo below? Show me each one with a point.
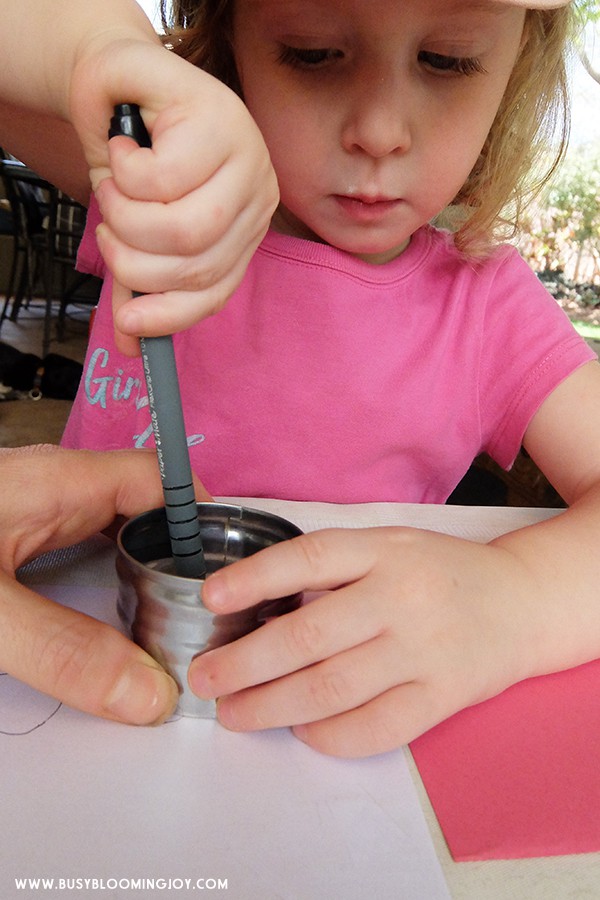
(378, 122)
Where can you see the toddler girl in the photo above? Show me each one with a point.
(369, 355)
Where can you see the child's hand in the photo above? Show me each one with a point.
(416, 626)
(181, 220)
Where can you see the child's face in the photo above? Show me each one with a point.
(374, 111)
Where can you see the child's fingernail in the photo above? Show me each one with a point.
(100, 232)
(143, 695)
(214, 592)
(200, 684)
(226, 715)
(130, 321)
(97, 180)
(301, 732)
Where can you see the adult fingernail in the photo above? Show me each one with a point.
(143, 695)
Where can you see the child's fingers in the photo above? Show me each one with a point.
(322, 629)
(80, 661)
(142, 174)
(204, 232)
(339, 683)
(319, 561)
(173, 301)
(168, 313)
(387, 722)
(186, 227)
(404, 618)
(190, 143)
(127, 344)
(160, 272)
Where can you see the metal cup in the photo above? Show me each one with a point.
(163, 612)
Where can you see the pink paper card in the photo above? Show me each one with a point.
(519, 775)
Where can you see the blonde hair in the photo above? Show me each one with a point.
(524, 146)
(527, 139)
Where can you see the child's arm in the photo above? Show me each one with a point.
(42, 43)
(52, 498)
(418, 625)
(181, 220)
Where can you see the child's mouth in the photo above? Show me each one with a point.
(364, 208)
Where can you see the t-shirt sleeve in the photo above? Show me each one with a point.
(529, 347)
(89, 259)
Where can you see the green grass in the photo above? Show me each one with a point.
(588, 331)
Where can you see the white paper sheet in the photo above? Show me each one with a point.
(244, 816)
(472, 523)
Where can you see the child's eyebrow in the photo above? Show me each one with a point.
(467, 7)
(450, 8)
(455, 14)
(491, 8)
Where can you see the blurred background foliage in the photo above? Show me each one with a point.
(561, 228)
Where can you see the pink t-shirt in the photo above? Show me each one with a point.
(327, 378)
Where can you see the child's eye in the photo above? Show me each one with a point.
(452, 64)
(307, 58)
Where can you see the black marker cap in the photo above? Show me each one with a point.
(128, 121)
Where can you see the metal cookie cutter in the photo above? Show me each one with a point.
(163, 612)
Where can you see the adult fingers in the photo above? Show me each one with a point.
(76, 493)
(80, 661)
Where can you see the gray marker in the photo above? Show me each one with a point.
(158, 359)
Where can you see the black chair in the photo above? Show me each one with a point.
(27, 198)
(50, 225)
(8, 229)
(66, 223)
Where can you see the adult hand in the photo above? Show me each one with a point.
(414, 626)
(52, 498)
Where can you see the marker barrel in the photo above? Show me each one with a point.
(160, 370)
